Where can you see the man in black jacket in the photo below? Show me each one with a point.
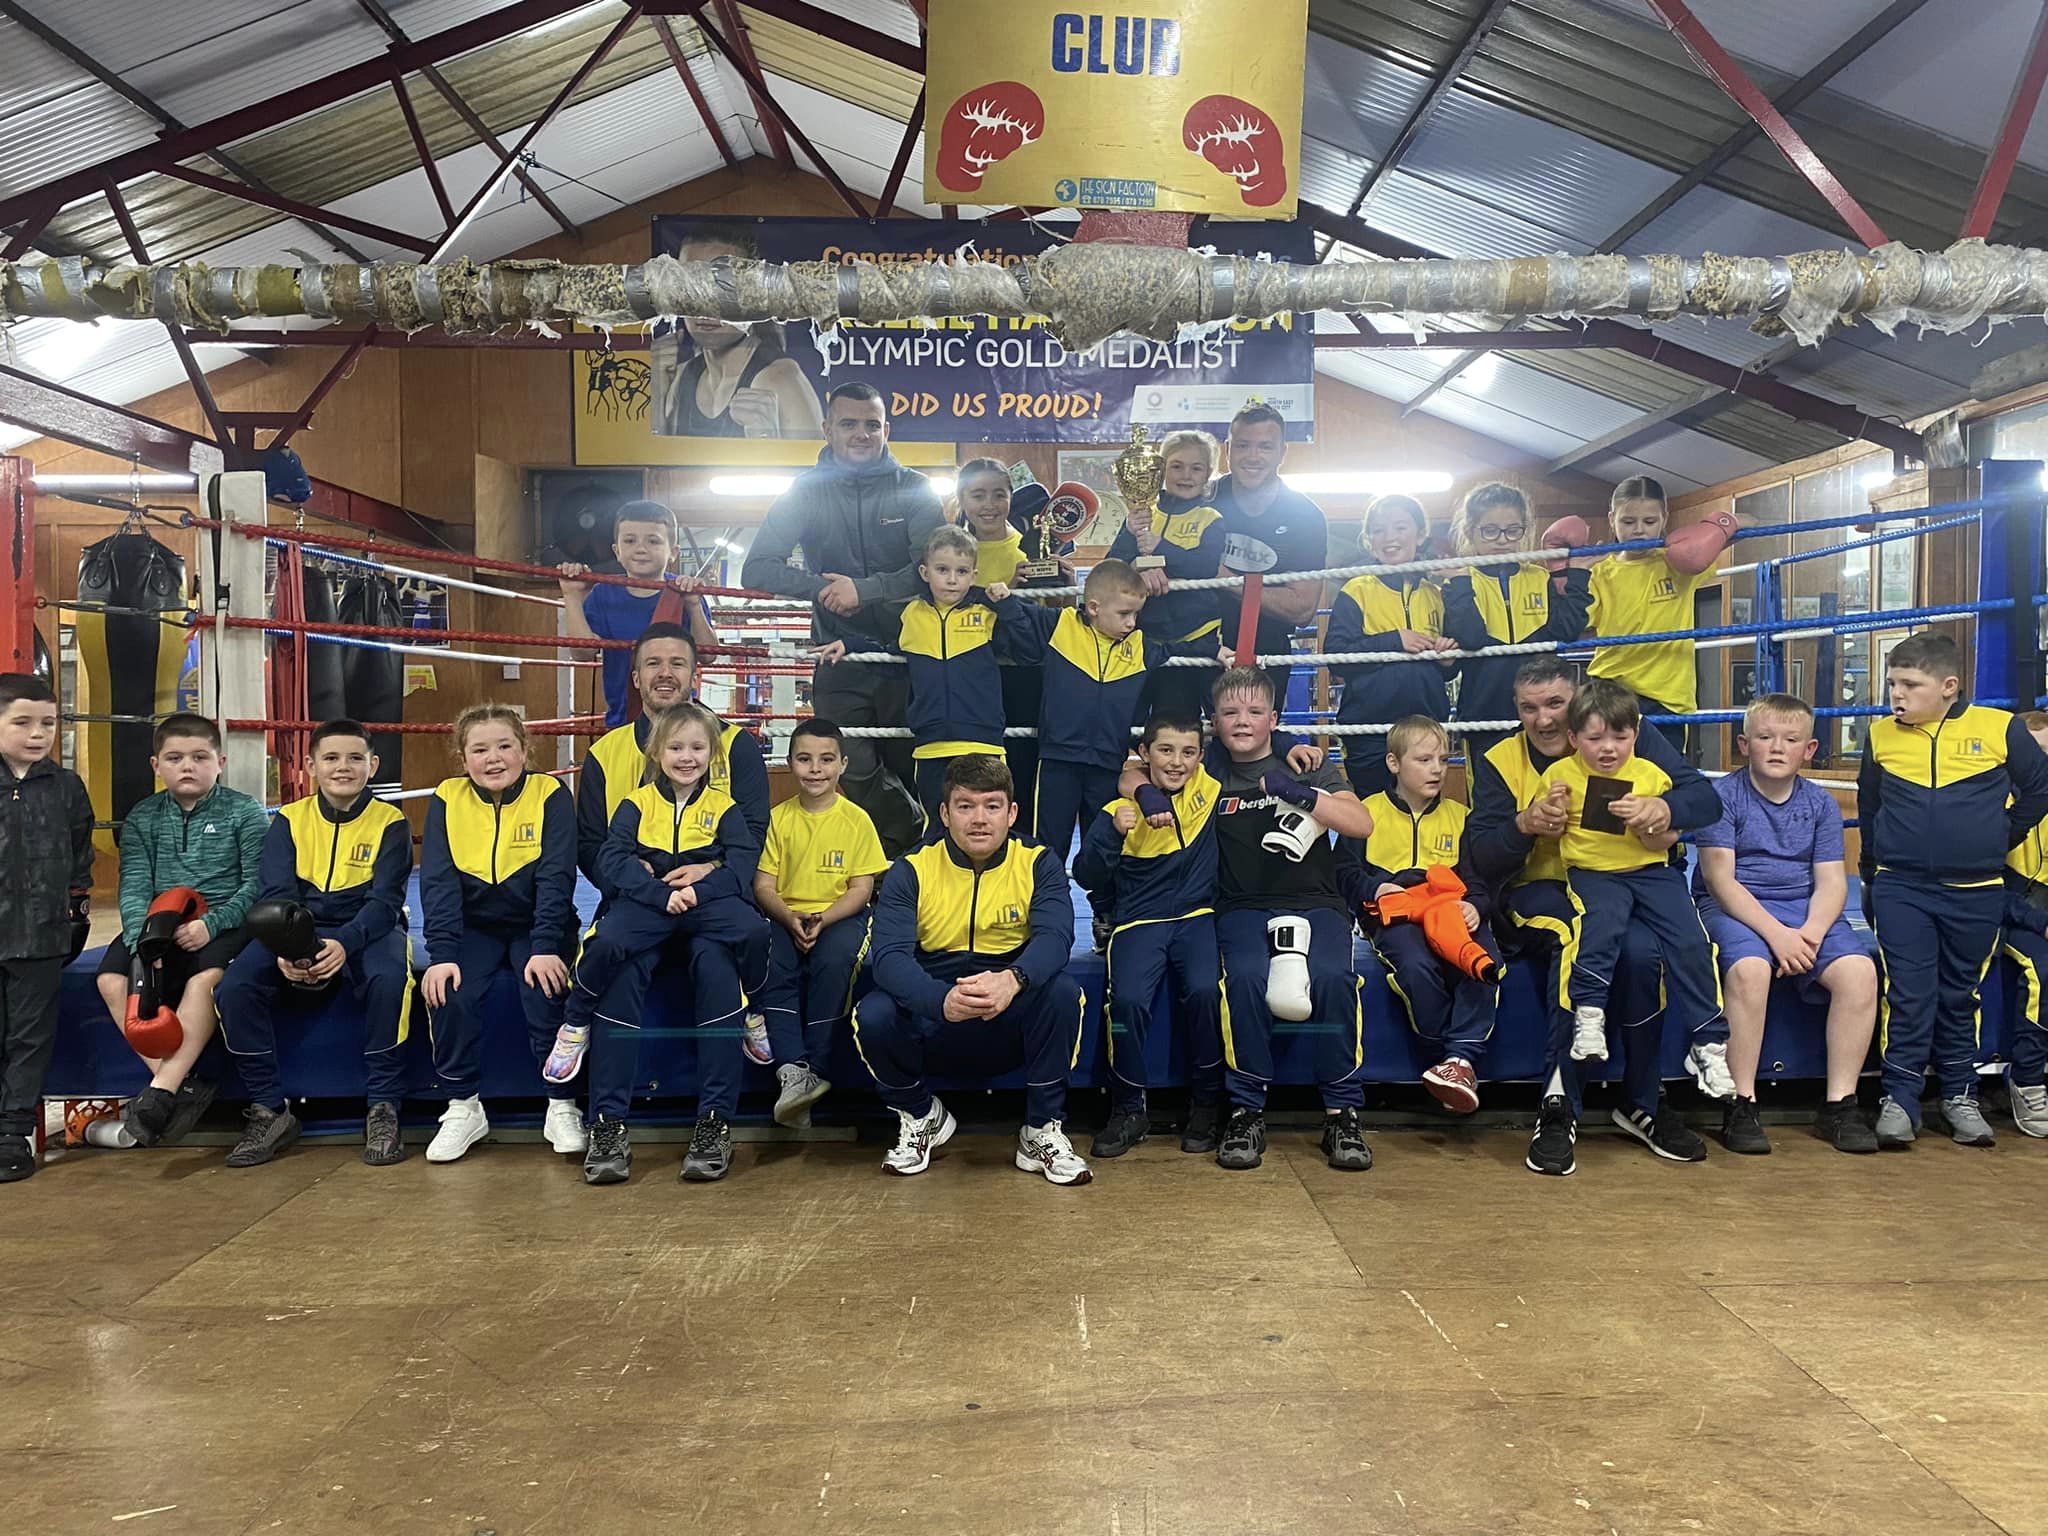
(846, 537)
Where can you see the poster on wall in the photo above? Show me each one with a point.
(1193, 106)
(712, 392)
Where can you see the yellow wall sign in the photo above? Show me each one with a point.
(1195, 106)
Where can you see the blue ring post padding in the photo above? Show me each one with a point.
(1770, 651)
(2009, 562)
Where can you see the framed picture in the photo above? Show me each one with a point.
(1738, 610)
(1802, 608)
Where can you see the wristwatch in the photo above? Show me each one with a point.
(1023, 981)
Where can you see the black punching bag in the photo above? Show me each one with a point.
(131, 664)
(325, 698)
(374, 680)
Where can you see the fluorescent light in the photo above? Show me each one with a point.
(1872, 484)
(1370, 482)
(942, 485)
(750, 485)
(114, 485)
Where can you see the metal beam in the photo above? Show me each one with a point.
(1860, 42)
(901, 163)
(836, 28)
(426, 154)
(1722, 69)
(53, 39)
(665, 30)
(770, 118)
(1570, 339)
(207, 138)
(427, 72)
(17, 565)
(1441, 87)
(2005, 152)
(741, 58)
(37, 220)
(1355, 231)
(297, 209)
(303, 416)
(51, 410)
(1673, 415)
(433, 337)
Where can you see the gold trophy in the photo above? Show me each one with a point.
(1139, 471)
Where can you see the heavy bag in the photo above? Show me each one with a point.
(373, 681)
(130, 664)
(325, 698)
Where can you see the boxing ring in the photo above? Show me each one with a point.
(252, 661)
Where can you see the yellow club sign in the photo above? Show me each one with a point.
(1194, 106)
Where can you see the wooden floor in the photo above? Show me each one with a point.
(1801, 1343)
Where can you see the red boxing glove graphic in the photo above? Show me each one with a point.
(1241, 142)
(989, 123)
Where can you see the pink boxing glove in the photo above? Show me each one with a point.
(1694, 549)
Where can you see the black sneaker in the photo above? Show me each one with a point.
(382, 1145)
(710, 1153)
(1244, 1140)
(609, 1158)
(148, 1115)
(1204, 1128)
(1664, 1133)
(1841, 1125)
(1344, 1142)
(1742, 1130)
(1104, 926)
(265, 1133)
(17, 1158)
(1551, 1149)
(1126, 1128)
(195, 1097)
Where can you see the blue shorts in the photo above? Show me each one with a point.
(1738, 941)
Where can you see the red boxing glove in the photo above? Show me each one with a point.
(990, 123)
(1241, 142)
(1695, 549)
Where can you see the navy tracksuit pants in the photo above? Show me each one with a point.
(1069, 795)
(806, 995)
(1141, 958)
(457, 1026)
(1335, 1020)
(1042, 1028)
(1540, 916)
(2029, 951)
(1937, 941)
(1610, 905)
(378, 976)
(1449, 1009)
(726, 947)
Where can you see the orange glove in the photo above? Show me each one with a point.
(1433, 905)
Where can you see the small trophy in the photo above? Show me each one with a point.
(1063, 519)
(1139, 471)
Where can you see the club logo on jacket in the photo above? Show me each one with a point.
(831, 861)
(1665, 587)
(525, 834)
(707, 820)
(361, 853)
(1532, 603)
(1009, 916)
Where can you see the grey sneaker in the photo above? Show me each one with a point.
(382, 1144)
(1894, 1125)
(710, 1153)
(800, 1088)
(2030, 1109)
(265, 1133)
(1966, 1123)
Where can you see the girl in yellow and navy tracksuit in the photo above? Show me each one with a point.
(1643, 593)
(2025, 942)
(1402, 612)
(1503, 605)
(1186, 534)
(677, 822)
(498, 887)
(1160, 882)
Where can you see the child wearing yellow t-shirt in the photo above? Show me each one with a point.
(815, 880)
(1647, 592)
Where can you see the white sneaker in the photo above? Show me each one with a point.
(1708, 1065)
(1589, 1035)
(462, 1126)
(755, 1041)
(2029, 1109)
(564, 1127)
(917, 1140)
(1045, 1149)
(566, 1059)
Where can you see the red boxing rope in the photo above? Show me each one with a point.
(588, 725)
(454, 636)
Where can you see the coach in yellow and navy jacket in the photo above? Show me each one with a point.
(498, 886)
(1159, 882)
(347, 860)
(1947, 790)
(977, 903)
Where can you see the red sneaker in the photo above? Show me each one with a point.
(1454, 1085)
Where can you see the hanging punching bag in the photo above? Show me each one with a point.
(130, 663)
(325, 696)
(374, 681)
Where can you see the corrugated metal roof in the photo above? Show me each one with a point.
(55, 118)
(1789, 38)
(1355, 104)
(1691, 456)
(1394, 375)
(799, 54)
(1950, 67)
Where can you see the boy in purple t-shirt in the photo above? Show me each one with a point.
(1771, 885)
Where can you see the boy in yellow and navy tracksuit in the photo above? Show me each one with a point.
(1151, 860)
(1403, 612)
(497, 888)
(2026, 944)
(345, 856)
(1624, 878)
(1188, 538)
(1946, 791)
(1413, 829)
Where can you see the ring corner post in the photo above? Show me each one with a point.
(2012, 561)
(231, 584)
(18, 584)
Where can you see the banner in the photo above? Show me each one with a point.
(1195, 106)
(711, 392)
